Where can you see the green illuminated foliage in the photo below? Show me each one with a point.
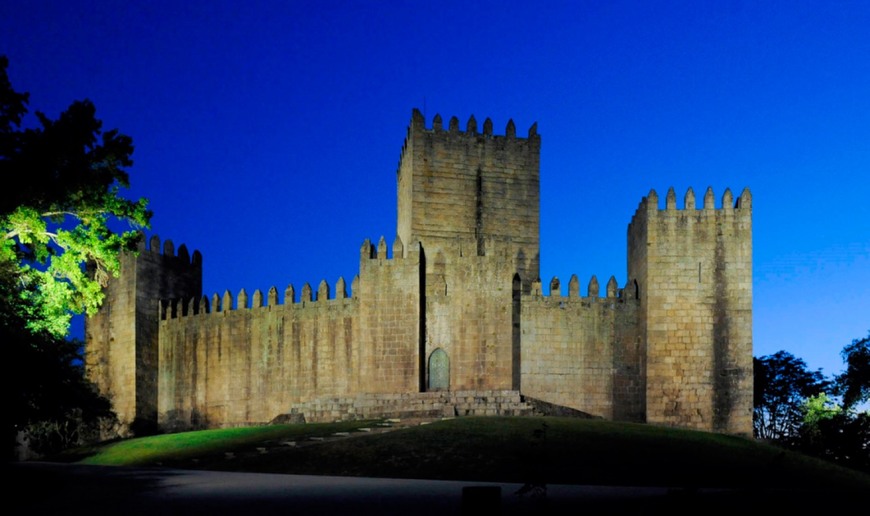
(61, 208)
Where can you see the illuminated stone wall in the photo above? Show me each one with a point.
(581, 352)
(236, 361)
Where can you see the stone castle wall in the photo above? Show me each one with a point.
(245, 360)
(246, 364)
(390, 319)
(241, 361)
(581, 352)
(472, 199)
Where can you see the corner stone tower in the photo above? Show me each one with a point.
(693, 273)
(121, 352)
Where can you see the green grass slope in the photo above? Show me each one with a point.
(504, 449)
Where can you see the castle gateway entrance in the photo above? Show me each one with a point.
(439, 371)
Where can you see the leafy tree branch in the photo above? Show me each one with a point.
(61, 214)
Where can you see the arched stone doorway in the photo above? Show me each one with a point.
(439, 371)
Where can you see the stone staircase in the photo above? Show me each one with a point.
(419, 405)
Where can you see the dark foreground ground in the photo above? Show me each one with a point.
(49, 488)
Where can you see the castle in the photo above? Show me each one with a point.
(453, 305)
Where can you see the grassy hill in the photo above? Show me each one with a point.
(504, 449)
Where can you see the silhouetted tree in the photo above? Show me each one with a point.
(48, 397)
(833, 433)
(842, 433)
(796, 407)
(854, 383)
(782, 385)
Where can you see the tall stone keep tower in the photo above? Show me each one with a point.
(472, 201)
(121, 341)
(458, 191)
(693, 272)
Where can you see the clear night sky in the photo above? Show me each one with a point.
(267, 134)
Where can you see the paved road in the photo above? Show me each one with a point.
(45, 488)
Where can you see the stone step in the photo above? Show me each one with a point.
(411, 405)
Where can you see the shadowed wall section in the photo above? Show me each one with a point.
(581, 352)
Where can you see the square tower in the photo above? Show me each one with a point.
(459, 190)
(472, 201)
(693, 272)
(121, 340)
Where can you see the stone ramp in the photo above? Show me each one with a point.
(420, 405)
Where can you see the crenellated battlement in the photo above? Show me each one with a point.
(173, 308)
(650, 203)
(468, 188)
(168, 250)
(593, 290)
(418, 122)
(418, 127)
(398, 251)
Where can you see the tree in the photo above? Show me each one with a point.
(833, 433)
(49, 399)
(782, 385)
(61, 201)
(798, 408)
(854, 383)
(819, 412)
(56, 219)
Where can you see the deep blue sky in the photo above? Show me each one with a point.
(267, 134)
